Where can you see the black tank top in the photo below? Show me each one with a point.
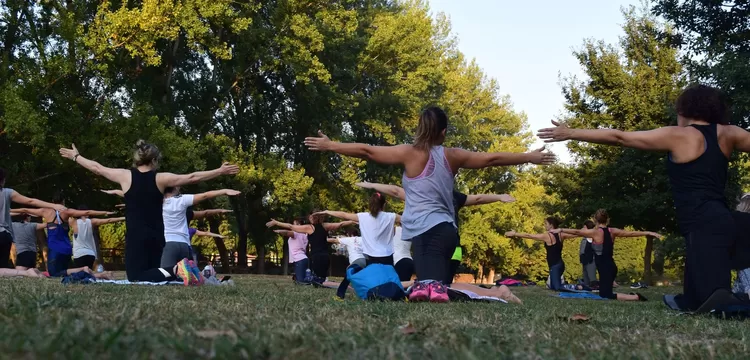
(554, 251)
(318, 240)
(608, 245)
(143, 207)
(698, 186)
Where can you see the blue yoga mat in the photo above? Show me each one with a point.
(580, 295)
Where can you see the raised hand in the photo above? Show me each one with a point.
(324, 212)
(363, 184)
(110, 213)
(319, 143)
(110, 192)
(225, 211)
(510, 233)
(656, 235)
(560, 132)
(231, 192)
(540, 157)
(69, 153)
(271, 223)
(229, 169)
(507, 198)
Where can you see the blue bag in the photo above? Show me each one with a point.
(374, 282)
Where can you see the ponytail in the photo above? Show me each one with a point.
(377, 203)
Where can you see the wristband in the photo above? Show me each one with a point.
(75, 158)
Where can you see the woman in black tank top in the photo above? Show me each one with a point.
(605, 263)
(698, 150)
(317, 237)
(553, 245)
(143, 189)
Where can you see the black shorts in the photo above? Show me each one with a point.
(86, 260)
(26, 259)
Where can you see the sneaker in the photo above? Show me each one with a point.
(640, 297)
(420, 292)
(438, 293)
(185, 272)
(638, 285)
(197, 273)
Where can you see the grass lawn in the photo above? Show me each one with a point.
(268, 317)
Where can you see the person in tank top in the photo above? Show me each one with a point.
(297, 251)
(698, 151)
(84, 244)
(143, 188)
(429, 170)
(58, 225)
(376, 227)
(605, 236)
(25, 240)
(553, 245)
(317, 237)
(586, 255)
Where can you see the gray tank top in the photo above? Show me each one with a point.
(429, 196)
(5, 221)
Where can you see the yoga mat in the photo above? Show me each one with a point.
(126, 282)
(579, 295)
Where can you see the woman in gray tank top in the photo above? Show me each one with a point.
(429, 169)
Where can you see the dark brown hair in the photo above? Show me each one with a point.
(588, 224)
(432, 122)
(555, 222)
(377, 204)
(146, 154)
(316, 219)
(701, 102)
(601, 216)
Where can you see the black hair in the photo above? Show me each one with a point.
(555, 222)
(701, 102)
(588, 224)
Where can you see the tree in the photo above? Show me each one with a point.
(630, 87)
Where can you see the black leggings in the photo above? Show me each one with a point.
(405, 269)
(708, 263)
(6, 242)
(385, 260)
(143, 258)
(319, 264)
(607, 274)
(433, 250)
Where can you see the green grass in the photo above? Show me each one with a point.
(268, 317)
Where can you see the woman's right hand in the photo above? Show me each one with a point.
(510, 234)
(69, 153)
(229, 169)
(540, 157)
(271, 223)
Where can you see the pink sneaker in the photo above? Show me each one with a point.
(420, 292)
(438, 293)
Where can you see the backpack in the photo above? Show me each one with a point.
(374, 282)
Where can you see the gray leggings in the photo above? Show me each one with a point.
(174, 252)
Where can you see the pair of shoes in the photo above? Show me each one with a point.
(640, 297)
(189, 273)
(638, 285)
(433, 292)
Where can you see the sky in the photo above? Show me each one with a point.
(526, 46)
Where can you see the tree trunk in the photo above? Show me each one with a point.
(658, 263)
(285, 258)
(260, 247)
(490, 277)
(213, 224)
(480, 274)
(647, 259)
(241, 242)
(98, 247)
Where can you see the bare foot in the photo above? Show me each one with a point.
(106, 275)
(504, 293)
(32, 272)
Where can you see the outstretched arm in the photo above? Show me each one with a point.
(539, 237)
(98, 222)
(589, 233)
(661, 139)
(119, 193)
(207, 233)
(390, 155)
(624, 233)
(20, 199)
(487, 199)
(120, 176)
(32, 212)
(460, 158)
(340, 215)
(79, 213)
(304, 229)
(164, 180)
(284, 233)
(390, 190)
(334, 240)
(338, 225)
(212, 194)
(205, 213)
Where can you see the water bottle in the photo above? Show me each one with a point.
(207, 271)
(308, 275)
(100, 268)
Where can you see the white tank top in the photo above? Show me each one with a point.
(83, 242)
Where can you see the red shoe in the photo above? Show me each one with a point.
(420, 292)
(438, 293)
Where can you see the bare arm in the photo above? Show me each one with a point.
(98, 222)
(303, 229)
(741, 138)
(390, 155)
(338, 225)
(79, 213)
(340, 215)
(20, 199)
(539, 237)
(487, 199)
(589, 233)
(41, 226)
(207, 233)
(212, 194)
(120, 176)
(390, 190)
(624, 233)
(164, 180)
(398, 219)
(334, 240)
(661, 139)
(205, 213)
(119, 193)
(284, 233)
(460, 158)
(32, 212)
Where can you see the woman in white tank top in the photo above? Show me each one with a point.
(428, 185)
